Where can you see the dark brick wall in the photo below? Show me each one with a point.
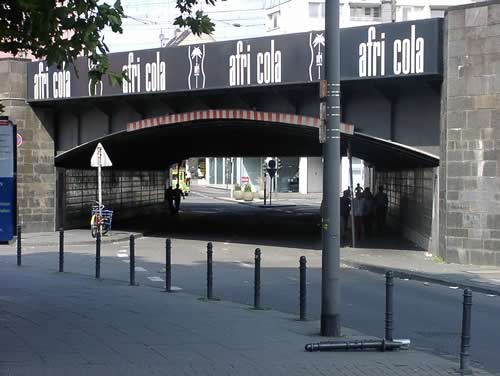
(470, 137)
(35, 164)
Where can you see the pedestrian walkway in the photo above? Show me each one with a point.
(73, 237)
(420, 265)
(65, 324)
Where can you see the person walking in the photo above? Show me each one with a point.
(345, 209)
(357, 208)
(177, 194)
(169, 198)
(381, 205)
(368, 211)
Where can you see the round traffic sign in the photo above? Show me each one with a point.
(19, 140)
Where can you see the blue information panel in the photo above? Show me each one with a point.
(7, 183)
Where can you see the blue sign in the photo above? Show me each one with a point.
(7, 182)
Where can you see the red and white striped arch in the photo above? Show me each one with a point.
(268, 117)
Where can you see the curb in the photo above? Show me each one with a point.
(417, 276)
(104, 240)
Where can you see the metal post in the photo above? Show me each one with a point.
(271, 191)
(389, 299)
(330, 286)
(19, 245)
(265, 188)
(98, 256)
(353, 224)
(465, 343)
(209, 271)
(168, 265)
(61, 250)
(303, 289)
(256, 290)
(132, 260)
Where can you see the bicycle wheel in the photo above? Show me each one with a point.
(93, 226)
(105, 228)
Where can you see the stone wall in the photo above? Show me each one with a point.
(35, 162)
(470, 136)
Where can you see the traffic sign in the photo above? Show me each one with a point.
(245, 179)
(100, 157)
(19, 140)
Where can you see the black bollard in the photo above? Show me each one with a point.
(256, 290)
(303, 289)
(61, 250)
(132, 260)
(18, 245)
(209, 271)
(98, 256)
(168, 265)
(465, 343)
(389, 303)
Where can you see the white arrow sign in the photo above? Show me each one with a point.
(100, 158)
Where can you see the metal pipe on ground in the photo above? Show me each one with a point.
(303, 289)
(256, 298)
(209, 271)
(168, 265)
(132, 260)
(61, 250)
(466, 329)
(19, 245)
(359, 345)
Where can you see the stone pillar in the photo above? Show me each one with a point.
(470, 130)
(36, 175)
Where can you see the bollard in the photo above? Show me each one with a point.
(303, 289)
(209, 271)
(465, 343)
(132, 260)
(18, 245)
(389, 295)
(61, 250)
(168, 265)
(256, 290)
(98, 256)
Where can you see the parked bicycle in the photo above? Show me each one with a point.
(100, 223)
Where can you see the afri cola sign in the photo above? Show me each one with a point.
(393, 50)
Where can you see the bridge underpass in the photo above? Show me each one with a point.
(153, 144)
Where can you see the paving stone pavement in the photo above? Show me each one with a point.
(66, 324)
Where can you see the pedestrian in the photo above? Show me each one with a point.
(169, 198)
(358, 189)
(345, 209)
(368, 211)
(177, 194)
(381, 205)
(357, 209)
(188, 178)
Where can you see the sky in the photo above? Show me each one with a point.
(148, 19)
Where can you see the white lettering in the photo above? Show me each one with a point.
(372, 55)
(409, 54)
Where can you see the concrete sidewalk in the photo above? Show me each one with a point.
(65, 324)
(73, 237)
(423, 266)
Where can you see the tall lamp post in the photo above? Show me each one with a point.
(330, 286)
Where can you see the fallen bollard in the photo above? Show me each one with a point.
(168, 265)
(380, 345)
(61, 250)
(303, 289)
(256, 298)
(465, 342)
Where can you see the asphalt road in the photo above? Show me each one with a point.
(429, 315)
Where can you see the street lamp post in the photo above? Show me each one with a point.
(330, 286)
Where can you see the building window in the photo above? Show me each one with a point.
(316, 10)
(273, 20)
(437, 13)
(406, 12)
(365, 13)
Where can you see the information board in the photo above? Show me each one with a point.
(7, 180)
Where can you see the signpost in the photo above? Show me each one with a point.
(271, 170)
(19, 140)
(330, 270)
(100, 159)
(7, 179)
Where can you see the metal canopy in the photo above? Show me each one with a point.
(158, 147)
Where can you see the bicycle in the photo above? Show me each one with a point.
(100, 223)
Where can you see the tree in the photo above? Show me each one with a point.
(61, 30)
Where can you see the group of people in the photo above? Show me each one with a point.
(370, 211)
(173, 198)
